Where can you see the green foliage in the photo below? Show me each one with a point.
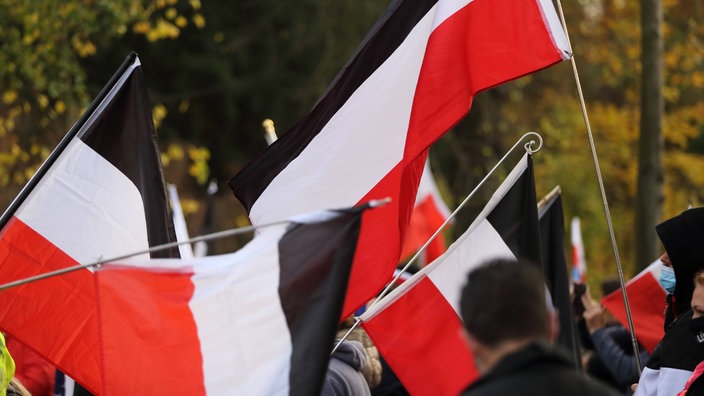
(43, 84)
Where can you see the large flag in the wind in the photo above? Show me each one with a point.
(260, 321)
(646, 298)
(417, 326)
(429, 214)
(552, 249)
(99, 195)
(412, 79)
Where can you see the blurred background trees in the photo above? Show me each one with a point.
(216, 69)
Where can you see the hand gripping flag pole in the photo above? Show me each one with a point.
(634, 340)
(528, 146)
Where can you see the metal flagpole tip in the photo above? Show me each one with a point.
(375, 203)
(529, 145)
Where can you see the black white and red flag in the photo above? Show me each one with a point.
(412, 79)
(100, 194)
(417, 327)
(259, 321)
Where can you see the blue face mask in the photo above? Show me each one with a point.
(667, 279)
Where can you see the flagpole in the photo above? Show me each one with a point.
(528, 146)
(595, 159)
(374, 203)
(100, 262)
(27, 189)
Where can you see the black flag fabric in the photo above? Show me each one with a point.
(554, 262)
(419, 320)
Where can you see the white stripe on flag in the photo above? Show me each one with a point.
(451, 272)
(555, 30)
(446, 9)
(86, 207)
(382, 103)
(493, 247)
(245, 341)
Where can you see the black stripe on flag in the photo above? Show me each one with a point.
(552, 249)
(315, 261)
(385, 37)
(123, 133)
(54, 155)
(515, 217)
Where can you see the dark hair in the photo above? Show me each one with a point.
(505, 300)
(609, 286)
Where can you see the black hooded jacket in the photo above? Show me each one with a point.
(683, 239)
(678, 353)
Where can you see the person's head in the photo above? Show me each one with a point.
(696, 325)
(609, 286)
(697, 303)
(504, 300)
(682, 236)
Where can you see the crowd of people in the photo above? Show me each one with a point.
(518, 359)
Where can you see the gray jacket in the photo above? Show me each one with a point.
(344, 376)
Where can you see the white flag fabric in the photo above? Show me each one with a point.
(412, 79)
(260, 321)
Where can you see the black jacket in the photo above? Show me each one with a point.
(673, 360)
(537, 370)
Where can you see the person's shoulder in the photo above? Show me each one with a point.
(557, 385)
(489, 389)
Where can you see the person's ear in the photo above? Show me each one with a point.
(471, 341)
(478, 350)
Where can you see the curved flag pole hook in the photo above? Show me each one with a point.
(530, 149)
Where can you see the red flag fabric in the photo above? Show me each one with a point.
(429, 213)
(419, 321)
(100, 194)
(412, 79)
(260, 321)
(647, 302)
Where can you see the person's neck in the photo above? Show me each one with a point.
(487, 357)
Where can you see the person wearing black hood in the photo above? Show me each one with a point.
(679, 352)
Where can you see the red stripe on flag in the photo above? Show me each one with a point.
(484, 44)
(417, 355)
(64, 304)
(380, 235)
(130, 302)
(647, 301)
(425, 220)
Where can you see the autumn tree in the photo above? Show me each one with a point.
(44, 84)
